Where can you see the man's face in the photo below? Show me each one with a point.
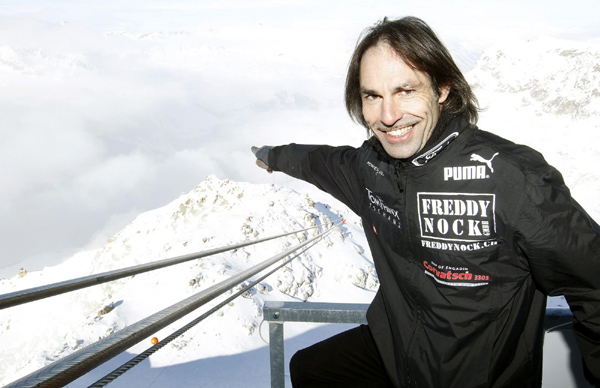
(398, 102)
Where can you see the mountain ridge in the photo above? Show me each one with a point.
(551, 76)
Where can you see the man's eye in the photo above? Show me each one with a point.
(406, 92)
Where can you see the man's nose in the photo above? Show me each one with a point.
(391, 112)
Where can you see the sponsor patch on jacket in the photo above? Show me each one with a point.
(454, 276)
(378, 206)
(466, 173)
(457, 221)
(375, 168)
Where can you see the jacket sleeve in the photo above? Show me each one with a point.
(331, 169)
(562, 245)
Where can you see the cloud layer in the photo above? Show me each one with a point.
(113, 108)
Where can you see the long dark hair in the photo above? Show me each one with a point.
(416, 43)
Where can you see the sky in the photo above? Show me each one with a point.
(112, 108)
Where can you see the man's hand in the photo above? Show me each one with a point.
(262, 157)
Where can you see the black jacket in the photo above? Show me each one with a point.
(467, 238)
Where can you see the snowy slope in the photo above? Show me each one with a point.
(556, 77)
(546, 94)
(215, 214)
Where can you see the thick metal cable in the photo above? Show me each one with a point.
(71, 367)
(41, 292)
(104, 381)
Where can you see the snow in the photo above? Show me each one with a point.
(111, 110)
(217, 213)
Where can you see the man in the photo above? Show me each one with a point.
(469, 232)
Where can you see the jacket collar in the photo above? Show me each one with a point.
(446, 131)
(425, 157)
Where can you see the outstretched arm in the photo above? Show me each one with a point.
(331, 169)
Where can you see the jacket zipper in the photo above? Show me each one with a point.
(401, 180)
(401, 177)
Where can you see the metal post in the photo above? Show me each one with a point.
(277, 354)
(276, 313)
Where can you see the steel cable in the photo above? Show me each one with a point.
(69, 368)
(148, 352)
(45, 291)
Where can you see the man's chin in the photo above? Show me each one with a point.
(399, 151)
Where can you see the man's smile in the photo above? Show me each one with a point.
(400, 131)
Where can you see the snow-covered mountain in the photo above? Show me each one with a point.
(560, 78)
(215, 214)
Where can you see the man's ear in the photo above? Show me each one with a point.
(443, 93)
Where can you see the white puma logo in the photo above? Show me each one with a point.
(478, 158)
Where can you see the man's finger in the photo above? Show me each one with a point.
(261, 164)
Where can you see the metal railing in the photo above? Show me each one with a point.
(277, 313)
(142, 356)
(75, 365)
(41, 292)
